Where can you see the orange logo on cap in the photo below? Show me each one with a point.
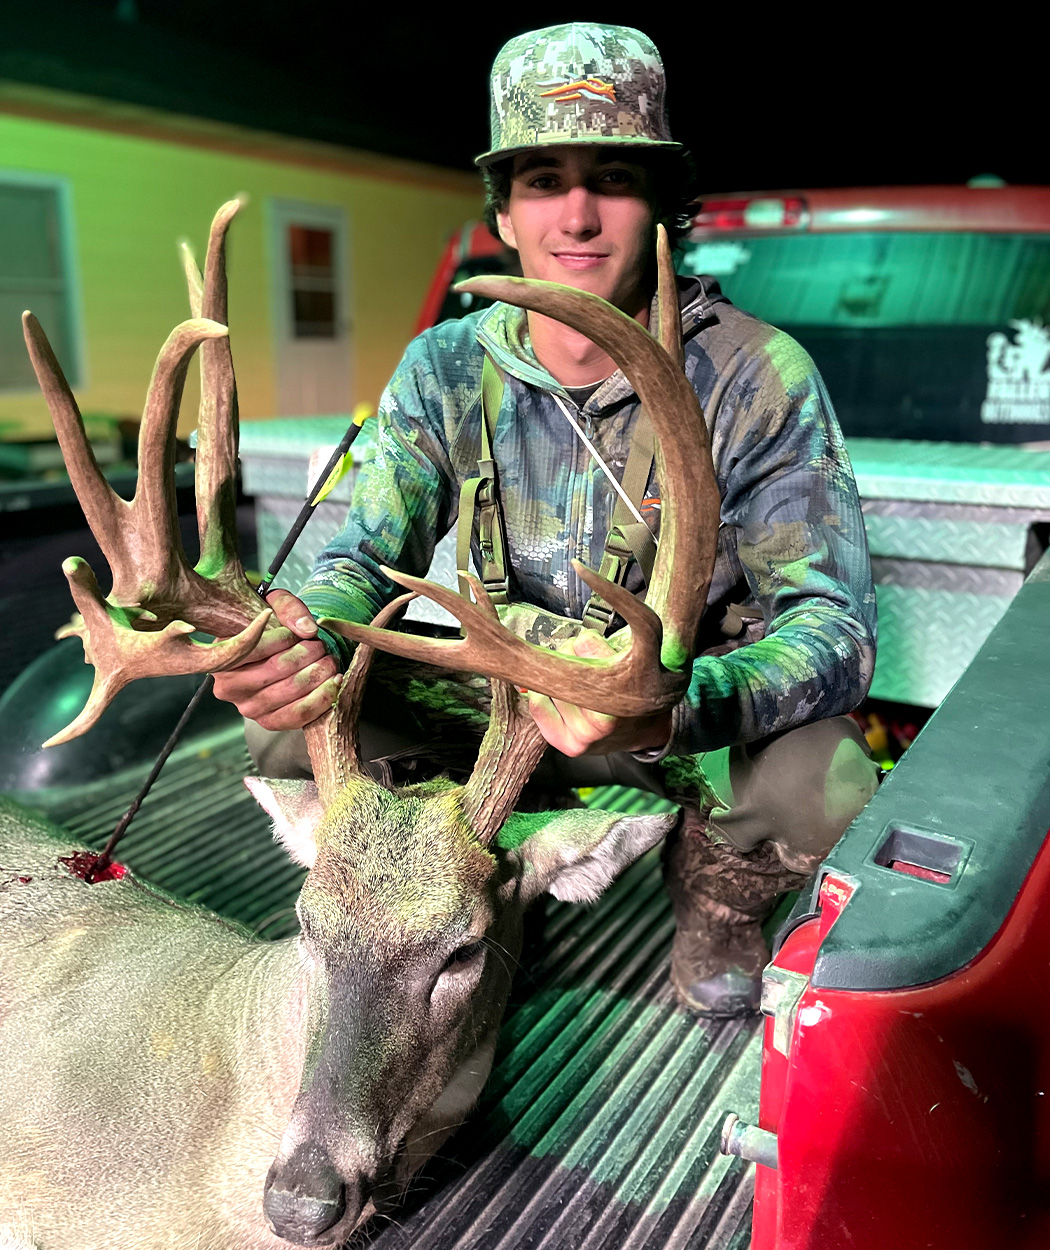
(570, 91)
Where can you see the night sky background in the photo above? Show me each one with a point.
(767, 98)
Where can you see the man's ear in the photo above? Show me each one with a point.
(575, 854)
(506, 229)
(295, 809)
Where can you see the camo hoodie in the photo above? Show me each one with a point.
(791, 539)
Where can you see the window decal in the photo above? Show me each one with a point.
(1018, 376)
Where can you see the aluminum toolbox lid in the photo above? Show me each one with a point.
(965, 473)
(299, 436)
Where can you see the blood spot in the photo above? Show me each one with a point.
(14, 879)
(82, 864)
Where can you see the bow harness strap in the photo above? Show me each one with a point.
(481, 495)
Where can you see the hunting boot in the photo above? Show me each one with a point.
(721, 897)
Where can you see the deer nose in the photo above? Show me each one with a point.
(305, 1197)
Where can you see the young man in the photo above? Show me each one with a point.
(581, 169)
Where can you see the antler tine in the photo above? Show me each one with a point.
(646, 627)
(194, 278)
(153, 508)
(332, 740)
(217, 424)
(215, 289)
(104, 510)
(669, 315)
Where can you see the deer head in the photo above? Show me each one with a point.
(411, 909)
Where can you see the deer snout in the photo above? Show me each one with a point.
(305, 1197)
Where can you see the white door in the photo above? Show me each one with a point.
(309, 263)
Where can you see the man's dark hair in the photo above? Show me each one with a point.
(674, 181)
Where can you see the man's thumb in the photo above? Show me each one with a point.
(292, 613)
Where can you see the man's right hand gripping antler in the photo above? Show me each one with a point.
(290, 678)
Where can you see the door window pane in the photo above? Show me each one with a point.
(311, 255)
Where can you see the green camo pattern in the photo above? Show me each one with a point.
(791, 542)
(577, 83)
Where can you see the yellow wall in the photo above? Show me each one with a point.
(134, 194)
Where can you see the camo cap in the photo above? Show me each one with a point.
(577, 83)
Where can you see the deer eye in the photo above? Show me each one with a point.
(463, 955)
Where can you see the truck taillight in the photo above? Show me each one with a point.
(752, 213)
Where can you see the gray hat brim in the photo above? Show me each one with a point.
(555, 141)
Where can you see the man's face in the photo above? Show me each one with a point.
(582, 215)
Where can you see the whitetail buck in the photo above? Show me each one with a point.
(166, 1079)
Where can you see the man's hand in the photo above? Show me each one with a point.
(576, 731)
(289, 679)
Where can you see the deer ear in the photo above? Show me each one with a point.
(575, 854)
(295, 809)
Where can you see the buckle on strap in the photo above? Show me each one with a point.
(617, 546)
(597, 615)
(486, 482)
(497, 590)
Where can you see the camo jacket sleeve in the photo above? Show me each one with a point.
(404, 500)
(789, 495)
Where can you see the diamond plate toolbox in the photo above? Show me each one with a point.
(952, 530)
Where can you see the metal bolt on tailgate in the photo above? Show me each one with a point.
(747, 1141)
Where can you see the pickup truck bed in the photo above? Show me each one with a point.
(599, 1126)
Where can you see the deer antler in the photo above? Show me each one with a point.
(140, 629)
(117, 644)
(510, 750)
(332, 740)
(652, 672)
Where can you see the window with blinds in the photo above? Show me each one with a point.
(34, 274)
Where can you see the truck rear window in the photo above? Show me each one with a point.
(917, 335)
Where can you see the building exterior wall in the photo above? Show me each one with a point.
(138, 181)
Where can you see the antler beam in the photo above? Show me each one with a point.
(621, 685)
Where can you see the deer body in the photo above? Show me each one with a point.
(146, 1109)
(166, 1080)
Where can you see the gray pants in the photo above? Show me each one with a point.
(798, 789)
